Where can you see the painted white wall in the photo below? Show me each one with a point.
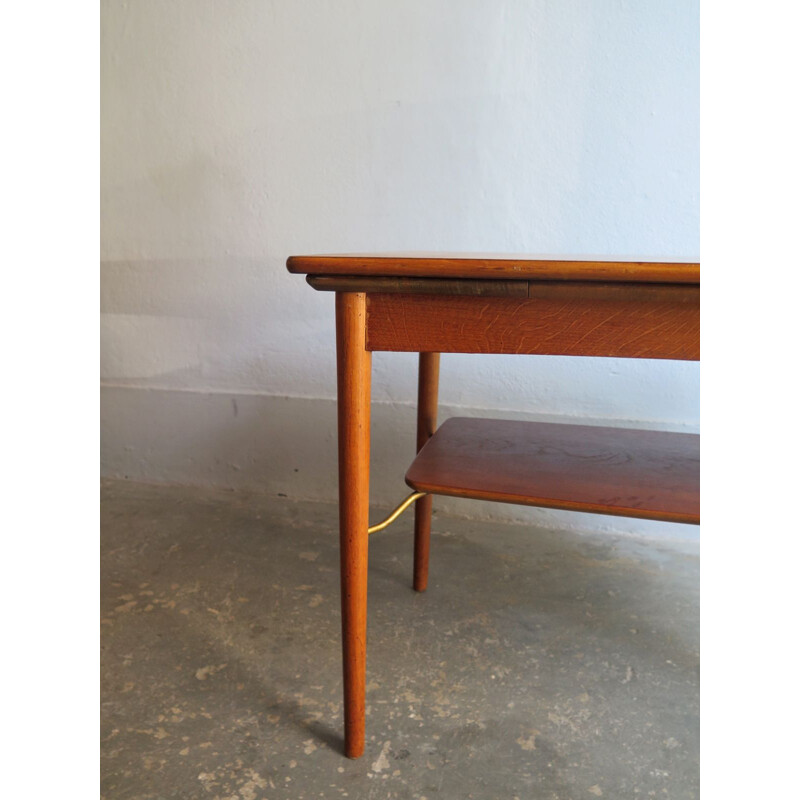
(237, 133)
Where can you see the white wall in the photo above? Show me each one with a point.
(237, 133)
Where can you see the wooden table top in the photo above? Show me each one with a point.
(499, 267)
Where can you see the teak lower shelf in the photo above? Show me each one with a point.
(620, 471)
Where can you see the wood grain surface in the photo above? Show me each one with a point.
(618, 471)
(606, 322)
(498, 266)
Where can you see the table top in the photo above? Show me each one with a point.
(499, 266)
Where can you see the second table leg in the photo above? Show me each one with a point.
(427, 406)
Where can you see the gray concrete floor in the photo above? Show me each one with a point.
(538, 664)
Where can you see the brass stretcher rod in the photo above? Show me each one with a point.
(412, 498)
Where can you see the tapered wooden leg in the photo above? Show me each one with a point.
(353, 378)
(427, 404)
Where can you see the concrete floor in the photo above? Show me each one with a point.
(537, 665)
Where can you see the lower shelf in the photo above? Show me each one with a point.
(620, 471)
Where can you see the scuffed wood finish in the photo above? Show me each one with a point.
(498, 266)
(427, 407)
(627, 322)
(568, 291)
(353, 382)
(472, 288)
(618, 471)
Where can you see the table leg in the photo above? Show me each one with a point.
(354, 364)
(427, 404)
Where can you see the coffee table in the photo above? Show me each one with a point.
(535, 305)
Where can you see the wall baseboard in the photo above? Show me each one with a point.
(286, 446)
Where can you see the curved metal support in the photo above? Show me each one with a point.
(412, 498)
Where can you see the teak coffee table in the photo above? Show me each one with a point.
(432, 304)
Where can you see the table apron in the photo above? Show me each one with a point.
(636, 321)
